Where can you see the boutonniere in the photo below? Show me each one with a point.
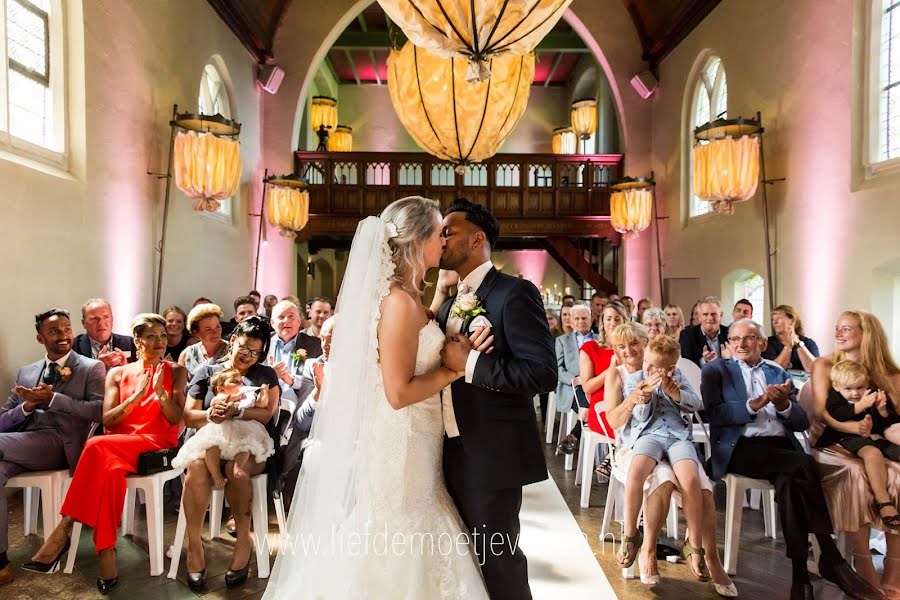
(467, 307)
(64, 374)
(299, 356)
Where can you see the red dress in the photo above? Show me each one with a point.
(97, 492)
(601, 358)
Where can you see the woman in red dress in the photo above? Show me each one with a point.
(141, 413)
(595, 358)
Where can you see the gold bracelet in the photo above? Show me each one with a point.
(164, 397)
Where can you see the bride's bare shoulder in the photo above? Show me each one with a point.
(398, 304)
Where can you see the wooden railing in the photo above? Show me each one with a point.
(523, 187)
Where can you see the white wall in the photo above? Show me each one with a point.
(800, 64)
(92, 232)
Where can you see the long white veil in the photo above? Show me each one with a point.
(329, 501)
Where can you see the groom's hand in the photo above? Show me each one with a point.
(456, 353)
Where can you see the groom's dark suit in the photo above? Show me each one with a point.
(499, 449)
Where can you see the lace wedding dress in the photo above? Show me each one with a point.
(371, 517)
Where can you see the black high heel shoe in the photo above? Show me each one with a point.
(51, 567)
(105, 585)
(234, 578)
(197, 581)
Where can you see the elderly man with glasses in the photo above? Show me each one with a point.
(753, 414)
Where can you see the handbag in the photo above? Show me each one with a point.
(158, 460)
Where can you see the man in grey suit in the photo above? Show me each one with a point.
(567, 356)
(45, 421)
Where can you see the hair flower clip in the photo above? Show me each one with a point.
(391, 229)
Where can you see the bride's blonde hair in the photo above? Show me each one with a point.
(414, 218)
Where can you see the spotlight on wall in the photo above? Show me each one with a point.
(270, 77)
(644, 83)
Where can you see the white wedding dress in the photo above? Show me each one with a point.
(371, 494)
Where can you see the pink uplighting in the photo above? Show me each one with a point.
(531, 265)
(127, 203)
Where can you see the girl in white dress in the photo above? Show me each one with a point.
(232, 439)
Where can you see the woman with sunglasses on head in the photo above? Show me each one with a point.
(249, 346)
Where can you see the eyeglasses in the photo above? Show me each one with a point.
(747, 338)
(245, 351)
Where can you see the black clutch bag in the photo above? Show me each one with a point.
(156, 461)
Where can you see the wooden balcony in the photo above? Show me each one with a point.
(533, 195)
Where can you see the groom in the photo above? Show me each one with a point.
(493, 446)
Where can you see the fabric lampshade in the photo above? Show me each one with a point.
(323, 112)
(288, 209)
(584, 117)
(341, 140)
(479, 31)
(564, 141)
(449, 117)
(726, 171)
(630, 211)
(207, 168)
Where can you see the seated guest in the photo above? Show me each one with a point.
(642, 305)
(859, 414)
(655, 321)
(244, 307)
(567, 364)
(858, 336)
(568, 300)
(301, 422)
(565, 319)
(787, 345)
(707, 341)
(742, 310)
(100, 342)
(205, 323)
(319, 310)
(202, 300)
(753, 414)
(629, 341)
(45, 421)
(594, 360)
(249, 346)
(177, 336)
(598, 301)
(660, 401)
(268, 304)
(628, 301)
(290, 348)
(674, 320)
(695, 314)
(141, 413)
(256, 297)
(553, 322)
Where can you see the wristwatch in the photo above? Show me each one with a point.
(164, 396)
(240, 414)
(802, 344)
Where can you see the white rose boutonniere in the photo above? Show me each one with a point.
(65, 373)
(467, 307)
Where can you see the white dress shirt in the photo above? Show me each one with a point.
(470, 282)
(766, 421)
(61, 362)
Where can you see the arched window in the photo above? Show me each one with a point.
(744, 283)
(215, 98)
(709, 102)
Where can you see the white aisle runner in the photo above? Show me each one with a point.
(560, 562)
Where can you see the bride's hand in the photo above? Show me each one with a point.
(455, 353)
(446, 280)
(482, 340)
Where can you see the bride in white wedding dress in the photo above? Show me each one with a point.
(371, 517)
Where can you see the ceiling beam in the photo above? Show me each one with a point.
(362, 22)
(261, 49)
(380, 40)
(660, 48)
(352, 66)
(375, 66)
(550, 73)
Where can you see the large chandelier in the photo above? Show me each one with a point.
(449, 117)
(206, 159)
(477, 30)
(288, 203)
(726, 162)
(341, 140)
(323, 117)
(564, 141)
(630, 211)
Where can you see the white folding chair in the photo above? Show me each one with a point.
(44, 489)
(735, 487)
(152, 488)
(584, 474)
(260, 515)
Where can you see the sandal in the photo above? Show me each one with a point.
(891, 521)
(686, 551)
(605, 467)
(636, 541)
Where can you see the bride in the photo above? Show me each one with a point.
(371, 517)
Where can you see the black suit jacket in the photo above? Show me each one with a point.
(501, 445)
(125, 343)
(693, 341)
